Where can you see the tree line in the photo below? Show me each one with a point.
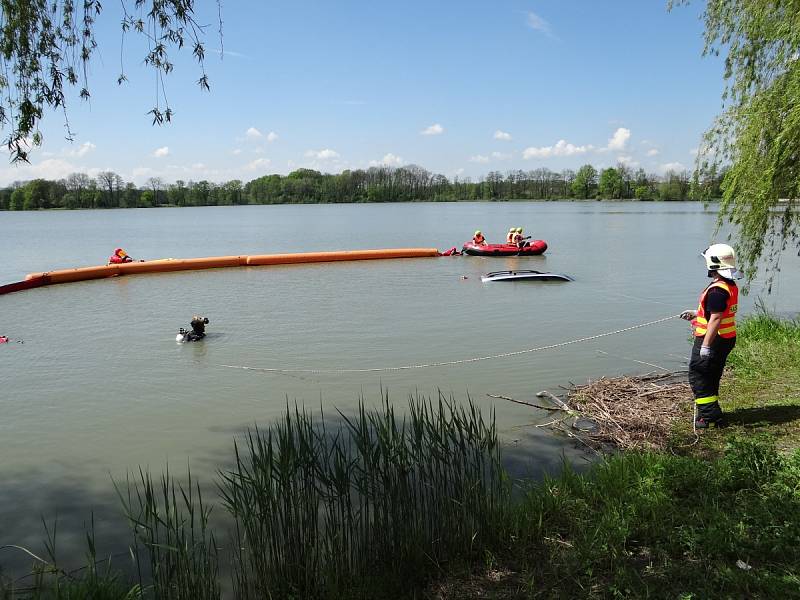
(376, 184)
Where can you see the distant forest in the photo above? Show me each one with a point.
(377, 184)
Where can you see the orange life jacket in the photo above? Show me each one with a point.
(510, 237)
(727, 328)
(479, 239)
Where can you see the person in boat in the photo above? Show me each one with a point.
(714, 328)
(119, 257)
(519, 239)
(510, 236)
(478, 239)
(198, 332)
(4, 339)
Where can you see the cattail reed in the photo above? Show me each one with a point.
(320, 511)
(365, 505)
(172, 541)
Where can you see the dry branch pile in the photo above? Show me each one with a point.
(633, 412)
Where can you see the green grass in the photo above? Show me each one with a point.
(658, 525)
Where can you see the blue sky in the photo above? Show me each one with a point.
(460, 88)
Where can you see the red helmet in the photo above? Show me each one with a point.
(118, 250)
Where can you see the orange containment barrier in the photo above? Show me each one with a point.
(310, 257)
(167, 265)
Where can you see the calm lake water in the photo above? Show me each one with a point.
(100, 386)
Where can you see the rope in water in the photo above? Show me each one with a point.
(453, 362)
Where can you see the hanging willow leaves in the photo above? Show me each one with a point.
(46, 47)
(757, 135)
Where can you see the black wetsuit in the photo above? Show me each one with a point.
(198, 330)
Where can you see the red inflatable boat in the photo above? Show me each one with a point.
(534, 248)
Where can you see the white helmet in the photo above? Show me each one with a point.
(721, 258)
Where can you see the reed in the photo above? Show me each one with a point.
(173, 547)
(322, 512)
(366, 505)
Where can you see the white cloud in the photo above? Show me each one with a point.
(502, 155)
(673, 166)
(139, 172)
(389, 160)
(161, 152)
(434, 129)
(479, 158)
(628, 161)
(82, 150)
(694, 151)
(253, 134)
(51, 168)
(619, 139)
(237, 151)
(459, 171)
(502, 135)
(259, 163)
(198, 166)
(326, 154)
(561, 148)
(272, 136)
(652, 152)
(224, 53)
(258, 150)
(537, 23)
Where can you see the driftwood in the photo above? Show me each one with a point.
(633, 412)
(555, 400)
(629, 412)
(528, 403)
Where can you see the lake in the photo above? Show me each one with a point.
(100, 386)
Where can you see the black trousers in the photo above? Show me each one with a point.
(706, 372)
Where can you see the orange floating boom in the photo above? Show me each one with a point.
(213, 262)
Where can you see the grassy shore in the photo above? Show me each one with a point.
(417, 505)
(762, 392)
(719, 518)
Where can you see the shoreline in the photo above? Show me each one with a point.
(371, 202)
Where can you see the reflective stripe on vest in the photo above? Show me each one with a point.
(727, 327)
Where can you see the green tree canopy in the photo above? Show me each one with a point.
(46, 47)
(611, 184)
(758, 133)
(585, 180)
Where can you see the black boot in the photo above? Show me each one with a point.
(708, 415)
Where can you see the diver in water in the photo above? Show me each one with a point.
(198, 331)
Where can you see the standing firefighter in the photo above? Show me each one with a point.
(714, 325)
